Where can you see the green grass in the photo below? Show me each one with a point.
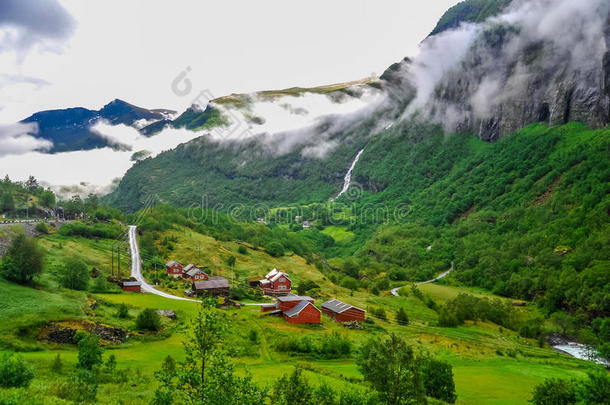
(339, 233)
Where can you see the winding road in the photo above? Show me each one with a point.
(136, 269)
(395, 290)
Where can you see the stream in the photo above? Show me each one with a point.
(580, 351)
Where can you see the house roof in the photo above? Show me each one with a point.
(265, 281)
(292, 297)
(171, 263)
(193, 271)
(291, 313)
(339, 306)
(189, 267)
(131, 283)
(212, 282)
(272, 273)
(278, 275)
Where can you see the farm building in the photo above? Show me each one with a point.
(276, 283)
(173, 268)
(343, 312)
(194, 273)
(212, 286)
(130, 285)
(288, 302)
(304, 312)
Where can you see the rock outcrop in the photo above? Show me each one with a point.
(63, 332)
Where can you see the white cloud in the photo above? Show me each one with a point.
(17, 139)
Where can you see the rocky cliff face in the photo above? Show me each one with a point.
(538, 61)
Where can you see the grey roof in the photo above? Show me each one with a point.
(212, 282)
(339, 306)
(192, 272)
(292, 297)
(171, 263)
(130, 283)
(291, 313)
(190, 266)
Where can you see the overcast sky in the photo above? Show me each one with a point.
(57, 54)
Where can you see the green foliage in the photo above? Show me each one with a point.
(89, 351)
(42, 228)
(23, 260)
(57, 365)
(331, 346)
(148, 319)
(123, 311)
(242, 250)
(401, 317)
(438, 379)
(14, 371)
(392, 370)
(593, 390)
(469, 11)
(275, 249)
(555, 391)
(75, 274)
(292, 390)
(96, 230)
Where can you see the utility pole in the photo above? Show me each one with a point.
(119, 252)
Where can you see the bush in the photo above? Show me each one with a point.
(42, 228)
(401, 317)
(75, 275)
(438, 380)
(148, 319)
(89, 351)
(242, 250)
(275, 249)
(14, 371)
(123, 311)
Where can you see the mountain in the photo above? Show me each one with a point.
(72, 128)
(528, 63)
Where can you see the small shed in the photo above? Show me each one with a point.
(130, 285)
(304, 312)
(214, 286)
(343, 312)
(194, 273)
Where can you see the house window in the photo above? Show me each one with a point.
(281, 287)
(282, 279)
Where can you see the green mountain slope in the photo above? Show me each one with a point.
(469, 11)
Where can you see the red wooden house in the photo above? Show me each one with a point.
(343, 312)
(193, 273)
(173, 268)
(304, 312)
(276, 283)
(288, 302)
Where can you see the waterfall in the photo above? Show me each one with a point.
(348, 176)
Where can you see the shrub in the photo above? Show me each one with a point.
(275, 249)
(438, 380)
(401, 317)
(75, 275)
(42, 228)
(57, 364)
(242, 250)
(148, 319)
(123, 311)
(89, 351)
(14, 371)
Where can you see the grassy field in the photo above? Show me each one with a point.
(492, 365)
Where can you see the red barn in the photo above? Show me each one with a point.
(303, 312)
(173, 268)
(132, 286)
(288, 302)
(276, 282)
(343, 312)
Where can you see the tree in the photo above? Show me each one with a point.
(89, 351)
(401, 317)
(148, 319)
(23, 260)
(123, 311)
(14, 371)
(231, 261)
(293, 390)
(206, 332)
(563, 321)
(75, 275)
(7, 203)
(47, 199)
(555, 391)
(275, 249)
(438, 380)
(392, 370)
(165, 391)
(57, 364)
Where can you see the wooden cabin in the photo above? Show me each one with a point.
(304, 312)
(130, 285)
(276, 283)
(213, 286)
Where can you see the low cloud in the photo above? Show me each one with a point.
(17, 139)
